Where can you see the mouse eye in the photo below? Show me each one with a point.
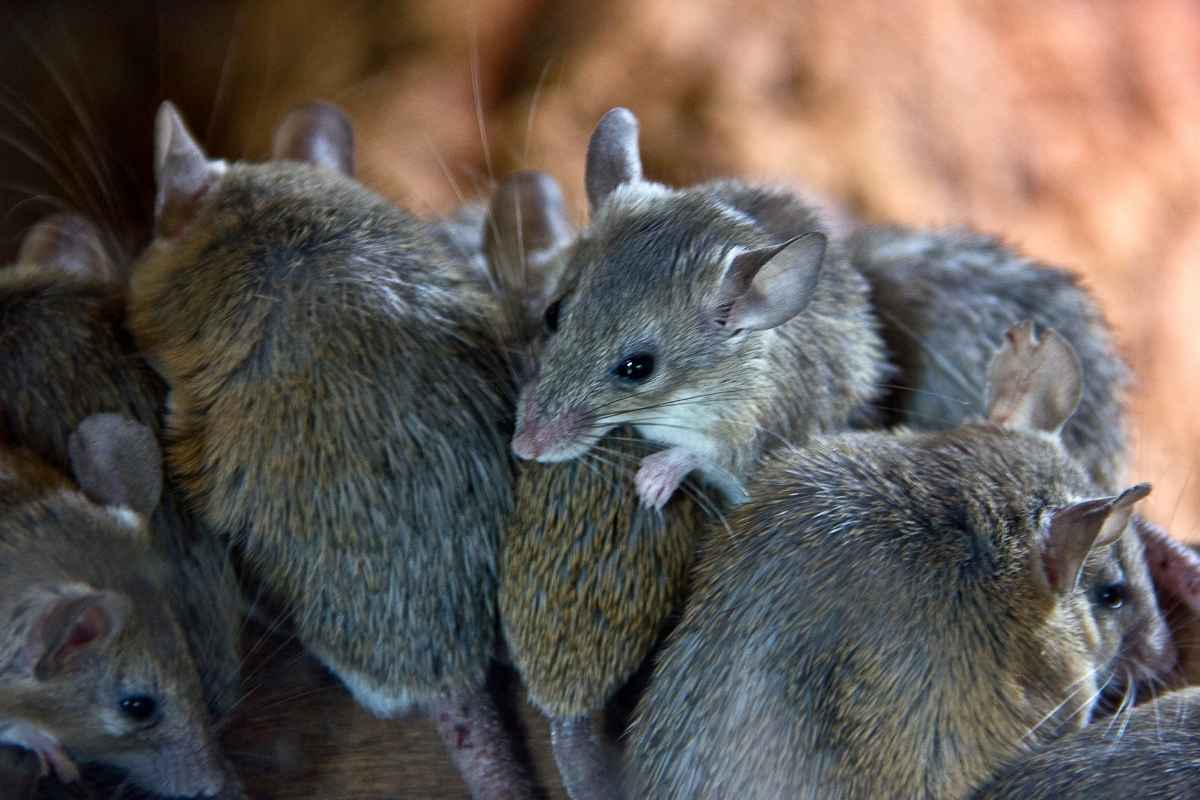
(1112, 596)
(139, 707)
(551, 316)
(637, 367)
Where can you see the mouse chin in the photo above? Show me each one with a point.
(567, 451)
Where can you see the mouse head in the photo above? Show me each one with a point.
(101, 663)
(662, 310)
(70, 244)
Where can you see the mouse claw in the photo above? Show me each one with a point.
(661, 473)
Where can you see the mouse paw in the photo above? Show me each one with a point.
(47, 748)
(661, 473)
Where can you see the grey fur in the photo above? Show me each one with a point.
(872, 628)
(68, 356)
(945, 297)
(646, 276)
(55, 543)
(1151, 754)
(339, 409)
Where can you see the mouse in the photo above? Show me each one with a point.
(1150, 755)
(945, 296)
(339, 409)
(94, 666)
(588, 575)
(894, 613)
(67, 356)
(711, 335)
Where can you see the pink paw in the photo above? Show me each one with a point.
(47, 747)
(661, 473)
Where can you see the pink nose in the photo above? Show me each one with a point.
(524, 444)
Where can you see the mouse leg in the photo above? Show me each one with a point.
(481, 747)
(47, 748)
(661, 473)
(588, 763)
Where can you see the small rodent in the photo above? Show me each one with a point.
(894, 614)
(94, 666)
(1175, 570)
(588, 576)
(64, 356)
(710, 333)
(945, 297)
(340, 409)
(1149, 755)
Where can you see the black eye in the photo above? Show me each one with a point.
(139, 707)
(551, 316)
(637, 367)
(1112, 596)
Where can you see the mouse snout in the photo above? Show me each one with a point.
(541, 439)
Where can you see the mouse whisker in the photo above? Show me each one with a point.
(968, 386)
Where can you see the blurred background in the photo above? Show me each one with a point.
(1068, 126)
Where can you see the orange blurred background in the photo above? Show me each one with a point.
(1068, 126)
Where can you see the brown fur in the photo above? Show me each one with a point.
(588, 576)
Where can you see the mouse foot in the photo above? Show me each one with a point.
(47, 748)
(661, 473)
(588, 763)
(481, 747)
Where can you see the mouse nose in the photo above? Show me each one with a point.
(525, 444)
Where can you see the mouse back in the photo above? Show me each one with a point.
(97, 659)
(589, 576)
(1149, 753)
(944, 297)
(891, 610)
(316, 336)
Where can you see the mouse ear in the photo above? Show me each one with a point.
(68, 243)
(1075, 530)
(1175, 572)
(117, 462)
(69, 621)
(612, 156)
(766, 287)
(1034, 383)
(182, 171)
(317, 133)
(526, 228)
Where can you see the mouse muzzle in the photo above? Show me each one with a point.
(560, 437)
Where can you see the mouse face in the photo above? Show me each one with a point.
(1134, 642)
(636, 337)
(98, 669)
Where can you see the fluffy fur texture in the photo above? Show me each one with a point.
(876, 626)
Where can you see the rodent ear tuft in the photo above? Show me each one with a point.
(117, 462)
(612, 156)
(768, 286)
(69, 621)
(1034, 383)
(182, 172)
(317, 133)
(69, 243)
(1075, 530)
(526, 228)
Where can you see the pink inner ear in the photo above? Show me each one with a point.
(68, 628)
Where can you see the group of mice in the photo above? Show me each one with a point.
(854, 492)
